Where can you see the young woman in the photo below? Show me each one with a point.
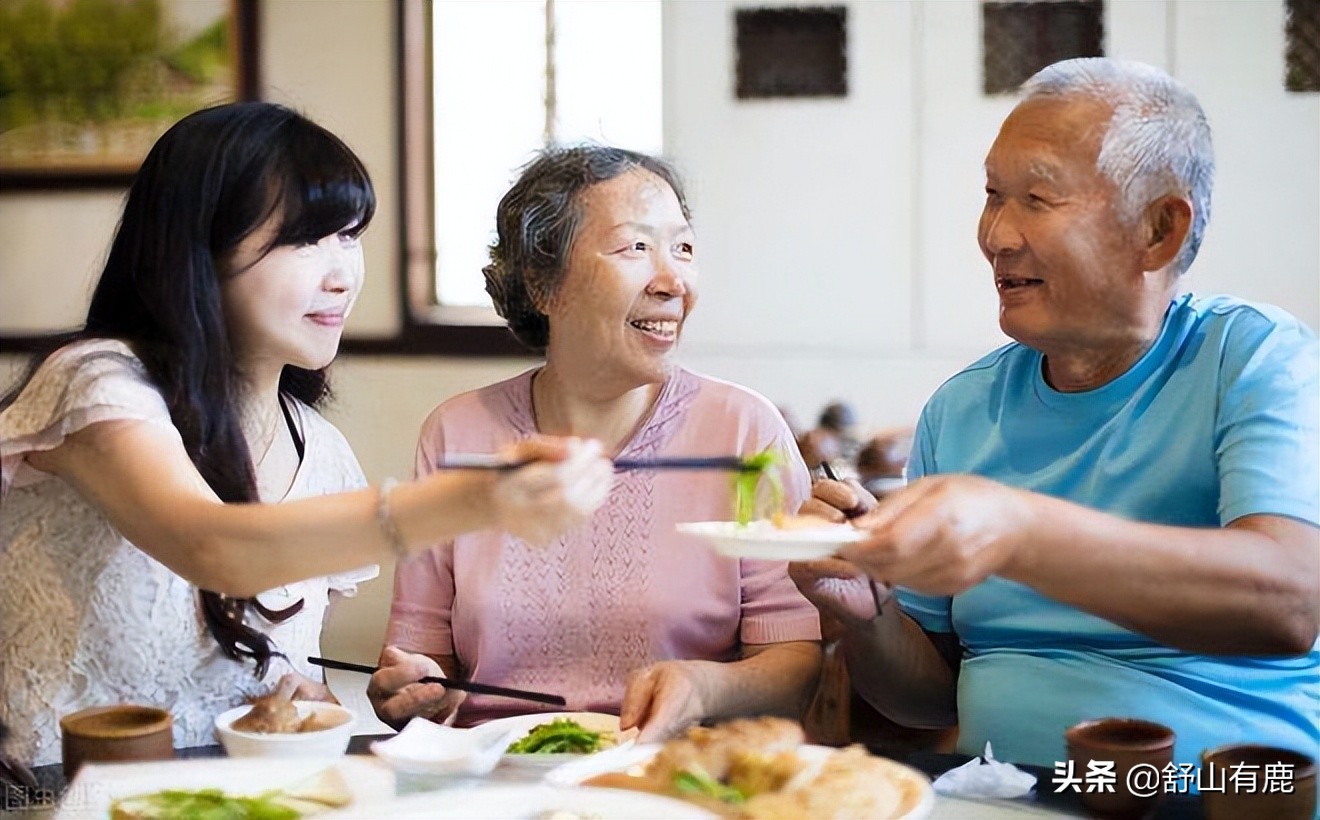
(137, 562)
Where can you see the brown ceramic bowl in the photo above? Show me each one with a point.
(1127, 743)
(1241, 797)
(122, 732)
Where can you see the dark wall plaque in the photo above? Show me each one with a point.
(792, 52)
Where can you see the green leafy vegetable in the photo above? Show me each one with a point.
(747, 483)
(202, 804)
(559, 736)
(690, 782)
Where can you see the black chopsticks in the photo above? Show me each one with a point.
(855, 512)
(483, 461)
(451, 683)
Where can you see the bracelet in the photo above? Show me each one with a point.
(388, 525)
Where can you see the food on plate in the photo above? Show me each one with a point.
(752, 768)
(276, 714)
(801, 522)
(319, 793)
(562, 736)
(747, 484)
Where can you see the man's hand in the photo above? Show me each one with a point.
(838, 589)
(665, 698)
(837, 501)
(397, 695)
(945, 534)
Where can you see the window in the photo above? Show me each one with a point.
(1021, 38)
(1302, 54)
(507, 78)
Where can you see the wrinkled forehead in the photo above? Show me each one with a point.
(1048, 136)
(636, 196)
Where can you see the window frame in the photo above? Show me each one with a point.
(425, 328)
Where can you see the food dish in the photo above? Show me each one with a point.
(317, 743)
(98, 785)
(759, 768)
(521, 725)
(530, 802)
(763, 539)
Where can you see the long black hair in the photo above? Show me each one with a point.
(210, 181)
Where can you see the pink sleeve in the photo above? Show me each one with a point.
(422, 608)
(773, 610)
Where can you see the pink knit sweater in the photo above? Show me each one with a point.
(623, 591)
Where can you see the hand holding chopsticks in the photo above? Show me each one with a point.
(491, 461)
(856, 511)
(451, 683)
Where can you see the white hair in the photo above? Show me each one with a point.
(1158, 140)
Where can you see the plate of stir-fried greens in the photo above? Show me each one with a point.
(549, 739)
(761, 529)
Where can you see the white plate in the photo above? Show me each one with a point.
(528, 802)
(98, 785)
(522, 724)
(634, 759)
(762, 539)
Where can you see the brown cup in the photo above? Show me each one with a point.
(1247, 797)
(1129, 744)
(122, 732)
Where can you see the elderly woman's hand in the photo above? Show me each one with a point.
(944, 534)
(568, 481)
(396, 693)
(665, 698)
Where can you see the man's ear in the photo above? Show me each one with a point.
(1165, 223)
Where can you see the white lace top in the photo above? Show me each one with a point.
(88, 619)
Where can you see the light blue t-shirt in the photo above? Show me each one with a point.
(1216, 421)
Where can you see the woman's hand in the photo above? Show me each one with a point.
(295, 686)
(397, 695)
(568, 481)
(665, 698)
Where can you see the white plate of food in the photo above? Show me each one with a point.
(761, 767)
(548, 739)
(532, 802)
(793, 538)
(310, 786)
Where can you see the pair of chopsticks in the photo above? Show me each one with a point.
(855, 512)
(490, 461)
(451, 683)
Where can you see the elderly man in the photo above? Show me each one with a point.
(1117, 513)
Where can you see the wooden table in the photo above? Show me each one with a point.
(33, 806)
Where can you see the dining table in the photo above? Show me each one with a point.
(1045, 801)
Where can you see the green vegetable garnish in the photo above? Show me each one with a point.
(559, 736)
(202, 804)
(689, 782)
(747, 482)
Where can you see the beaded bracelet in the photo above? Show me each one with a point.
(387, 523)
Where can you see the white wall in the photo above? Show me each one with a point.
(837, 236)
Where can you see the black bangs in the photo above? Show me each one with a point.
(321, 187)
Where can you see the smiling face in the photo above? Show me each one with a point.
(1068, 268)
(629, 282)
(288, 306)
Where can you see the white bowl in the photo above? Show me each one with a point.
(321, 743)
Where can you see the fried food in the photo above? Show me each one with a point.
(751, 769)
(276, 714)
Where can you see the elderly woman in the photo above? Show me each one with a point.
(595, 265)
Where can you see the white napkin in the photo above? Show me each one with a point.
(985, 777)
(424, 747)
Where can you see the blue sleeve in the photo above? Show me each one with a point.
(934, 613)
(1266, 443)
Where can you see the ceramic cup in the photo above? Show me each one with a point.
(122, 732)
(1257, 781)
(1129, 744)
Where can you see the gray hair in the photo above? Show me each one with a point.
(537, 221)
(1158, 140)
